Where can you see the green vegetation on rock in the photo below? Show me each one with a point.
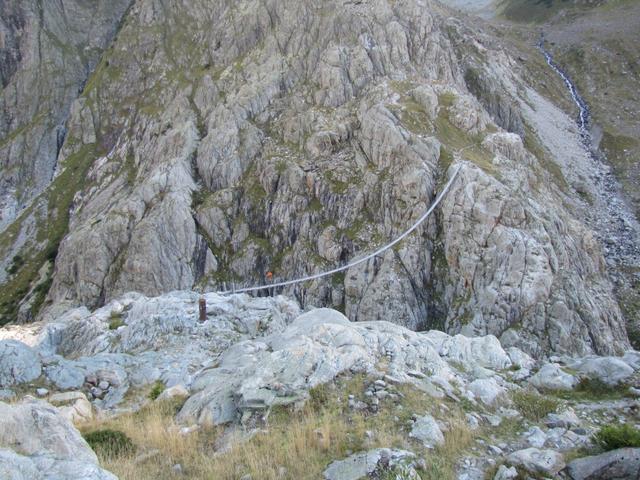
(110, 443)
(53, 223)
(612, 437)
(534, 406)
(156, 390)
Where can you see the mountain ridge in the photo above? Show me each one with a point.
(288, 139)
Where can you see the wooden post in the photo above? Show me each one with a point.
(202, 304)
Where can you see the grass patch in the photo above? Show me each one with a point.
(534, 11)
(533, 406)
(115, 321)
(156, 390)
(457, 140)
(593, 389)
(613, 437)
(301, 442)
(108, 442)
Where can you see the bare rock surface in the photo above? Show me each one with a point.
(370, 464)
(427, 431)
(613, 465)
(552, 377)
(18, 363)
(38, 442)
(533, 460)
(65, 41)
(609, 370)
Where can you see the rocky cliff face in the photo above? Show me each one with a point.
(47, 52)
(217, 141)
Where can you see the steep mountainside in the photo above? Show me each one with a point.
(594, 43)
(217, 141)
(47, 52)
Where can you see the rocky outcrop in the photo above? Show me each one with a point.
(252, 359)
(36, 442)
(19, 363)
(251, 377)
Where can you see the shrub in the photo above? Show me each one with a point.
(16, 263)
(115, 321)
(593, 386)
(613, 437)
(594, 389)
(109, 442)
(319, 397)
(533, 406)
(156, 390)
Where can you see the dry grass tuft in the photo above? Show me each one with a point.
(296, 445)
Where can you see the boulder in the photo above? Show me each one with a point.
(37, 442)
(536, 437)
(565, 419)
(173, 392)
(255, 375)
(426, 430)
(14, 466)
(506, 473)
(609, 370)
(17, 467)
(614, 465)
(487, 390)
(367, 464)
(65, 375)
(19, 363)
(483, 351)
(536, 461)
(552, 377)
(520, 359)
(36, 427)
(632, 358)
(73, 406)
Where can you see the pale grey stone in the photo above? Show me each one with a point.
(19, 363)
(534, 460)
(426, 430)
(552, 377)
(567, 418)
(17, 467)
(506, 473)
(520, 359)
(38, 428)
(363, 465)
(609, 370)
(314, 349)
(65, 375)
(536, 437)
(632, 358)
(6, 394)
(616, 464)
(483, 351)
(487, 390)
